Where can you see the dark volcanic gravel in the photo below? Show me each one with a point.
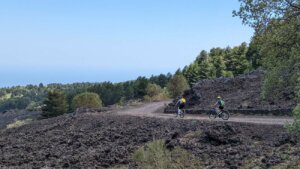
(103, 141)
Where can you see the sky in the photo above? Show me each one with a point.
(66, 41)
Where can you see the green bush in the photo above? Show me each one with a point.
(155, 93)
(153, 90)
(87, 100)
(294, 128)
(155, 155)
(18, 123)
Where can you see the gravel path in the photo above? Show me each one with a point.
(156, 110)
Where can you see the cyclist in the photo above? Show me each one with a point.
(219, 105)
(181, 104)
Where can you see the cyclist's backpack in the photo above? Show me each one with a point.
(222, 103)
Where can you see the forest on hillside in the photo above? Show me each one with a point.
(218, 62)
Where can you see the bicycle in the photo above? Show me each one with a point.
(223, 114)
(181, 113)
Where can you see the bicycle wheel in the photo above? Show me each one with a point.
(225, 115)
(182, 114)
(212, 115)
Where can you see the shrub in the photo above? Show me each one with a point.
(153, 90)
(87, 100)
(18, 123)
(294, 128)
(155, 93)
(155, 155)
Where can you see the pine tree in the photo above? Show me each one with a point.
(236, 60)
(177, 85)
(206, 69)
(201, 57)
(55, 104)
(192, 74)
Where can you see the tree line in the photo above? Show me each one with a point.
(218, 62)
(32, 97)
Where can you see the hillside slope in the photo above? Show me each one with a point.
(240, 93)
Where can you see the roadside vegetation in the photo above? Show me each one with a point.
(277, 43)
(155, 155)
(18, 123)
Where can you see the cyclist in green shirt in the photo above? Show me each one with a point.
(219, 105)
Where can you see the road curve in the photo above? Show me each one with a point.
(156, 110)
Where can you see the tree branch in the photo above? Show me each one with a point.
(292, 5)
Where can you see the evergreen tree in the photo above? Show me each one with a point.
(219, 66)
(192, 74)
(206, 69)
(236, 61)
(201, 57)
(140, 86)
(55, 104)
(177, 85)
(253, 54)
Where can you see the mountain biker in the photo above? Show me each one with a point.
(181, 104)
(219, 105)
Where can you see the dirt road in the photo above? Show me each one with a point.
(156, 110)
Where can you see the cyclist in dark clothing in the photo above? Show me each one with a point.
(181, 104)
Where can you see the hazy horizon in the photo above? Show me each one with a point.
(68, 41)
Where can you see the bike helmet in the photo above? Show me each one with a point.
(219, 97)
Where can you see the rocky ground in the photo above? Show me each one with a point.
(105, 141)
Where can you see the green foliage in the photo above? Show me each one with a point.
(33, 106)
(253, 54)
(219, 62)
(140, 86)
(55, 104)
(155, 155)
(236, 61)
(86, 100)
(155, 93)
(276, 40)
(31, 97)
(177, 85)
(161, 80)
(18, 123)
(294, 128)
(192, 73)
(153, 90)
(260, 13)
(15, 103)
(110, 93)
